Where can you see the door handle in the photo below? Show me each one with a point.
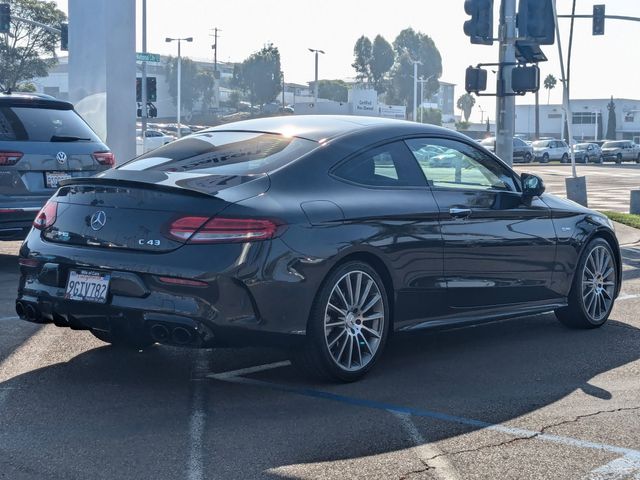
(459, 212)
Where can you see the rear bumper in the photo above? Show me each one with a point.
(243, 303)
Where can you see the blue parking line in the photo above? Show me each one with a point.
(417, 412)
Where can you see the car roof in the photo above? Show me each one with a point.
(325, 127)
(33, 100)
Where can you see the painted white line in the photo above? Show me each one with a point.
(249, 370)
(197, 418)
(627, 467)
(425, 451)
(9, 318)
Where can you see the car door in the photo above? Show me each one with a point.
(387, 201)
(498, 249)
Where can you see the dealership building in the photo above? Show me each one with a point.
(589, 119)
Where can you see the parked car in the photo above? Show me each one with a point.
(621, 150)
(546, 150)
(522, 152)
(587, 152)
(154, 139)
(321, 242)
(43, 141)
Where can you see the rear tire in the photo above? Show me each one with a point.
(593, 291)
(348, 325)
(564, 159)
(528, 158)
(619, 158)
(585, 159)
(545, 158)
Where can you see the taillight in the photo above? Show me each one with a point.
(47, 215)
(221, 230)
(105, 158)
(10, 158)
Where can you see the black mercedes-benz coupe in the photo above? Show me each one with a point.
(319, 234)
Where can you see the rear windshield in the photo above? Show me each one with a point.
(38, 124)
(237, 153)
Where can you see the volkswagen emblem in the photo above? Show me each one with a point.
(61, 157)
(98, 220)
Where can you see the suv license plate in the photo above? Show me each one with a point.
(52, 179)
(87, 286)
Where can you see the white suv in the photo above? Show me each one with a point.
(545, 150)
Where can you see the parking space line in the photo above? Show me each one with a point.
(197, 418)
(627, 296)
(417, 412)
(9, 318)
(619, 469)
(427, 452)
(249, 370)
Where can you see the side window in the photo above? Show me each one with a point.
(390, 165)
(452, 164)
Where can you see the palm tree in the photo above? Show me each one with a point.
(550, 83)
(466, 103)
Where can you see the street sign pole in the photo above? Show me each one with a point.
(145, 111)
(506, 104)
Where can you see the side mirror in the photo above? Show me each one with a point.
(532, 185)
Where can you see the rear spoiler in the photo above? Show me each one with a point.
(195, 185)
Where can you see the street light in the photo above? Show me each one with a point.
(169, 40)
(315, 89)
(422, 82)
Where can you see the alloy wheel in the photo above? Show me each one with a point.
(598, 283)
(354, 321)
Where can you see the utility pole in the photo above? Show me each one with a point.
(216, 75)
(145, 94)
(315, 85)
(506, 105)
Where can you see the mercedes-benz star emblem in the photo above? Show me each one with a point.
(61, 157)
(98, 220)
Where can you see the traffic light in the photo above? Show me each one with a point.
(152, 95)
(64, 37)
(479, 27)
(5, 18)
(598, 20)
(536, 21)
(525, 79)
(475, 80)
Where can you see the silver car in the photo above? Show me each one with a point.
(621, 150)
(588, 152)
(43, 141)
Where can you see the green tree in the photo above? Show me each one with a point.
(432, 116)
(335, 90)
(205, 86)
(362, 57)
(411, 46)
(29, 51)
(381, 61)
(611, 121)
(260, 75)
(549, 84)
(466, 103)
(190, 91)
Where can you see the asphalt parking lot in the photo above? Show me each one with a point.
(518, 399)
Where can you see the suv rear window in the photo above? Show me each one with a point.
(39, 124)
(235, 153)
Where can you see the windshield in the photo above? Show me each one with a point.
(612, 144)
(581, 146)
(541, 143)
(236, 153)
(38, 124)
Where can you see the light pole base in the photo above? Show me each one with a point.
(634, 203)
(577, 189)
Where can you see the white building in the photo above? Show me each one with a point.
(587, 117)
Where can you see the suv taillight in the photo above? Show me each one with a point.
(46, 216)
(10, 158)
(221, 230)
(105, 158)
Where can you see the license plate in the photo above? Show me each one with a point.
(52, 179)
(87, 286)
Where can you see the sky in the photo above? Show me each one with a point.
(601, 65)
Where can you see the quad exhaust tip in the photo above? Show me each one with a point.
(20, 310)
(160, 333)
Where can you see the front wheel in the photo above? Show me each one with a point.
(594, 288)
(348, 325)
(600, 159)
(585, 160)
(619, 158)
(565, 158)
(527, 158)
(545, 158)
